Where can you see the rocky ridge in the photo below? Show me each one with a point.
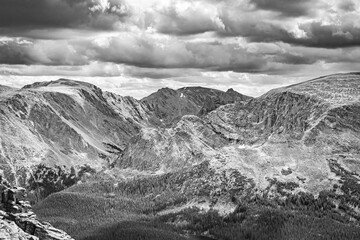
(65, 123)
(17, 221)
(285, 130)
(72, 124)
(170, 105)
(292, 129)
(295, 148)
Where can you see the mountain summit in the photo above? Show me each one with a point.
(170, 105)
(64, 122)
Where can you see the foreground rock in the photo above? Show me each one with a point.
(17, 221)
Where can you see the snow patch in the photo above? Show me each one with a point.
(204, 206)
(242, 146)
(161, 170)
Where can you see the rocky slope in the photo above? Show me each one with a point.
(17, 221)
(72, 124)
(64, 123)
(293, 149)
(170, 105)
(191, 147)
(292, 129)
(288, 134)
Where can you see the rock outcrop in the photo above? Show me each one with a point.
(18, 222)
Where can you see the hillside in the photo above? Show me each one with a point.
(193, 162)
(73, 124)
(295, 128)
(177, 206)
(64, 123)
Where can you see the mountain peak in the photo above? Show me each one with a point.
(197, 88)
(170, 105)
(230, 90)
(336, 89)
(166, 90)
(62, 82)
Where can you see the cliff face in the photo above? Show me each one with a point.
(64, 123)
(17, 221)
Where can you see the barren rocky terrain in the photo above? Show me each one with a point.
(93, 162)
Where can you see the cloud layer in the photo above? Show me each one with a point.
(27, 14)
(179, 40)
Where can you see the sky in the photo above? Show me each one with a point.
(134, 47)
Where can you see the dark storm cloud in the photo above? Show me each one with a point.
(134, 50)
(294, 58)
(20, 51)
(162, 39)
(317, 34)
(255, 31)
(153, 53)
(300, 55)
(328, 36)
(290, 8)
(347, 5)
(26, 14)
(261, 27)
(12, 53)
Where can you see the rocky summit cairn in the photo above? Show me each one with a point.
(17, 221)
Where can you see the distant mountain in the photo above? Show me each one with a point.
(72, 124)
(288, 134)
(188, 162)
(65, 123)
(170, 105)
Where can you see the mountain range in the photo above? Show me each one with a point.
(178, 155)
